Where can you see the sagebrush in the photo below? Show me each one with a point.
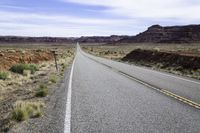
(19, 68)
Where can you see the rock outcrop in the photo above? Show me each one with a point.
(171, 34)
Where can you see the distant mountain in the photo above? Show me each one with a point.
(93, 39)
(171, 34)
(154, 34)
(20, 39)
(100, 39)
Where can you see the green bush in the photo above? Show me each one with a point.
(42, 91)
(24, 110)
(19, 68)
(3, 75)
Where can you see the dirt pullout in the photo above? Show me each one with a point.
(10, 57)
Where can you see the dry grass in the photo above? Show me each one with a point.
(42, 91)
(123, 49)
(25, 110)
(53, 78)
(22, 86)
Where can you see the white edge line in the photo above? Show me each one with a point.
(169, 75)
(67, 124)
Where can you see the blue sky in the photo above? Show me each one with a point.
(66, 18)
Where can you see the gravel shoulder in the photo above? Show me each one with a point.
(54, 112)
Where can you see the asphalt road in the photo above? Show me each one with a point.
(185, 87)
(104, 101)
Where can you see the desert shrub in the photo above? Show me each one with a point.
(25, 110)
(19, 68)
(3, 75)
(20, 114)
(42, 91)
(53, 78)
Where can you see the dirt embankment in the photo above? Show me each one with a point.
(181, 64)
(10, 57)
(180, 59)
(167, 59)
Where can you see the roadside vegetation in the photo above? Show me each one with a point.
(20, 68)
(42, 91)
(53, 78)
(27, 77)
(24, 110)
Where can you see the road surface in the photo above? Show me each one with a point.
(102, 100)
(187, 88)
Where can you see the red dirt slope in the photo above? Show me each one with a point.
(11, 57)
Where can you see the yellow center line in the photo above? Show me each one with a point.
(163, 91)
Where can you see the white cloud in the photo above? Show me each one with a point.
(182, 9)
(8, 16)
(32, 24)
(136, 16)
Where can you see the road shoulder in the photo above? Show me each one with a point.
(53, 119)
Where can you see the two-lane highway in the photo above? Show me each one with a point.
(103, 101)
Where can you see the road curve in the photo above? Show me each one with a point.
(104, 101)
